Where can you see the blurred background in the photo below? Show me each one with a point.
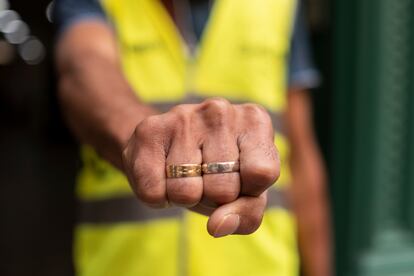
(38, 158)
(364, 115)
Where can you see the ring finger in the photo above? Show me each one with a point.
(218, 149)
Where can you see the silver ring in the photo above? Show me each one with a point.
(221, 167)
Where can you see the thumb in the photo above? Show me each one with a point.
(242, 216)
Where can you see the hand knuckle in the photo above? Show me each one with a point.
(185, 198)
(216, 104)
(181, 108)
(152, 131)
(255, 110)
(181, 194)
(256, 114)
(144, 129)
(182, 118)
(216, 112)
(151, 198)
(149, 193)
(225, 196)
(264, 174)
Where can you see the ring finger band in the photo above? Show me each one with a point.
(183, 170)
(221, 167)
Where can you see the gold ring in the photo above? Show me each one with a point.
(183, 170)
(221, 167)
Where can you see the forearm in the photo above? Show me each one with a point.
(309, 188)
(312, 211)
(98, 102)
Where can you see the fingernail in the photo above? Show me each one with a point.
(227, 226)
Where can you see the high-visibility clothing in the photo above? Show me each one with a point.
(242, 57)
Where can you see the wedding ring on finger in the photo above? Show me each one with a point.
(183, 170)
(221, 167)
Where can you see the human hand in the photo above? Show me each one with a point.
(212, 131)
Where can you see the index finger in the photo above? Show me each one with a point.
(144, 162)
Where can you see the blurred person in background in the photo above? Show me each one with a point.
(123, 67)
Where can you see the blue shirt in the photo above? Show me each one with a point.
(302, 73)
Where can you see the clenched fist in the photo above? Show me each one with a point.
(212, 131)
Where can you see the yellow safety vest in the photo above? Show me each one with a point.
(242, 56)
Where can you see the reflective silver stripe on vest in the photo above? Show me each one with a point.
(122, 209)
(277, 117)
(277, 198)
(130, 209)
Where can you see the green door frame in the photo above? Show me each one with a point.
(372, 159)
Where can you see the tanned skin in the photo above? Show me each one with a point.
(308, 188)
(103, 111)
